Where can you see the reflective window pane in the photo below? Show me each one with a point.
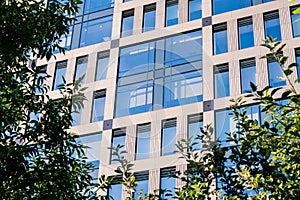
(96, 5)
(297, 51)
(195, 9)
(171, 12)
(60, 73)
(275, 74)
(195, 123)
(220, 39)
(246, 37)
(118, 138)
(221, 76)
(167, 183)
(127, 23)
(248, 74)
(295, 22)
(149, 17)
(142, 179)
(272, 25)
(98, 107)
(80, 70)
(143, 141)
(168, 137)
(102, 65)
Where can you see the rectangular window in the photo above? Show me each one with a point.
(167, 183)
(221, 76)
(76, 116)
(98, 107)
(60, 73)
(195, 9)
(96, 31)
(149, 17)
(127, 23)
(168, 137)
(102, 66)
(224, 123)
(80, 70)
(40, 80)
(92, 152)
(246, 38)
(275, 73)
(142, 179)
(297, 51)
(66, 40)
(295, 22)
(115, 191)
(97, 5)
(118, 138)
(248, 74)
(220, 38)
(272, 25)
(194, 130)
(143, 141)
(171, 12)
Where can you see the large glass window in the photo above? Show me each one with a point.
(149, 17)
(224, 123)
(167, 183)
(92, 152)
(171, 12)
(246, 38)
(272, 25)
(142, 179)
(195, 9)
(221, 76)
(221, 6)
(275, 73)
(143, 141)
(118, 138)
(96, 31)
(96, 5)
(127, 23)
(80, 70)
(194, 129)
(102, 65)
(248, 74)
(66, 40)
(115, 191)
(297, 52)
(168, 137)
(60, 73)
(220, 38)
(99, 104)
(295, 22)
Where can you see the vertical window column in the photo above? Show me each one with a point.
(297, 52)
(143, 141)
(142, 179)
(127, 23)
(195, 9)
(99, 104)
(275, 73)
(149, 17)
(171, 12)
(168, 137)
(221, 80)
(295, 23)
(272, 25)
(248, 74)
(220, 39)
(118, 138)
(102, 66)
(80, 70)
(60, 73)
(194, 130)
(167, 183)
(246, 38)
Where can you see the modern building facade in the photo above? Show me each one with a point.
(158, 70)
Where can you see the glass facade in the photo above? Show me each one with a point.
(272, 25)
(171, 12)
(195, 9)
(143, 141)
(102, 66)
(60, 73)
(164, 73)
(99, 104)
(149, 17)
(275, 74)
(127, 23)
(167, 183)
(168, 137)
(91, 6)
(246, 37)
(118, 138)
(80, 70)
(248, 74)
(295, 22)
(220, 39)
(221, 81)
(195, 123)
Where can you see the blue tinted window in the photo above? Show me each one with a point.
(40, 79)
(118, 138)
(143, 141)
(295, 23)
(224, 123)
(298, 61)
(60, 72)
(76, 116)
(115, 192)
(96, 31)
(102, 65)
(142, 179)
(220, 39)
(272, 25)
(81, 67)
(275, 74)
(248, 74)
(195, 9)
(194, 130)
(167, 183)
(246, 38)
(149, 17)
(66, 40)
(221, 73)
(127, 23)
(168, 138)
(96, 5)
(98, 108)
(171, 12)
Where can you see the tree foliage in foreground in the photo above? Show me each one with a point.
(39, 158)
(261, 159)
